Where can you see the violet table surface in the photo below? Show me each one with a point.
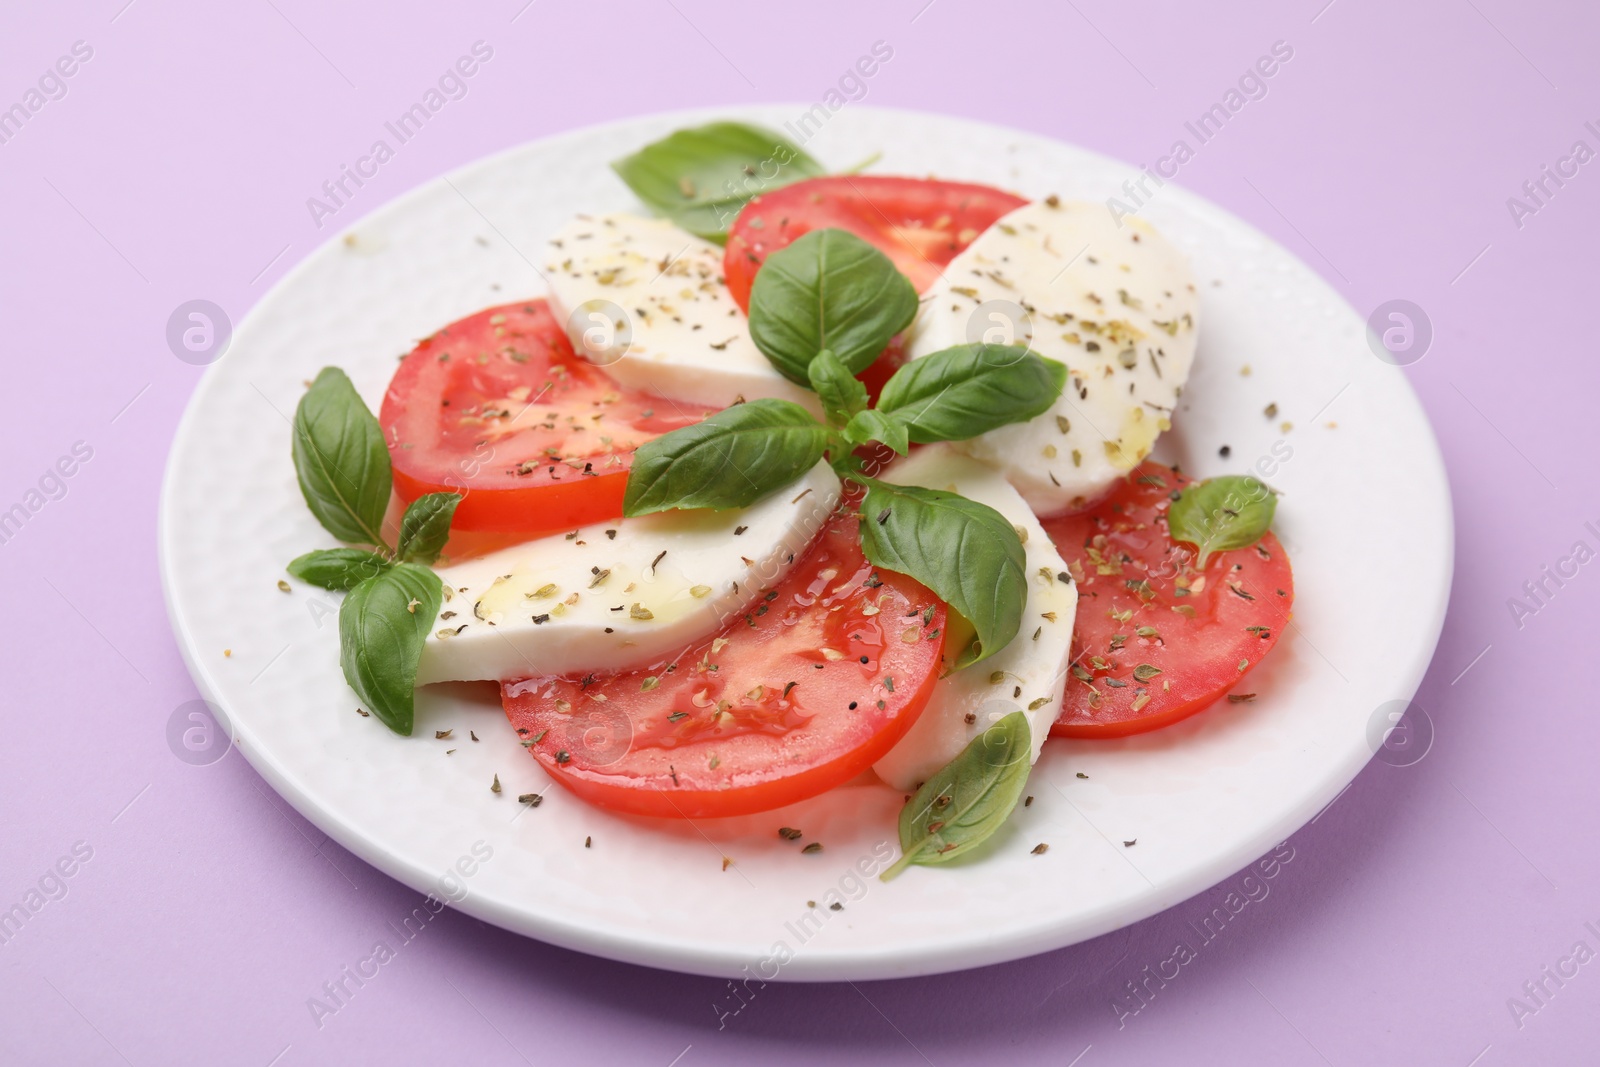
(178, 165)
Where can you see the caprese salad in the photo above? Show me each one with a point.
(801, 475)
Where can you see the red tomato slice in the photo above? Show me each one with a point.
(803, 693)
(877, 373)
(1132, 619)
(919, 223)
(500, 408)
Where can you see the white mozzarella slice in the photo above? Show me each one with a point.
(679, 335)
(620, 594)
(1029, 674)
(1115, 303)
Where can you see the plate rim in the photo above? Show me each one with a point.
(664, 951)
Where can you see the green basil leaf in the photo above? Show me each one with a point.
(729, 460)
(830, 289)
(842, 395)
(341, 460)
(968, 799)
(1224, 513)
(338, 568)
(700, 177)
(382, 625)
(873, 425)
(958, 393)
(426, 527)
(966, 552)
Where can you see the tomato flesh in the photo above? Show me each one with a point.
(919, 223)
(1203, 630)
(498, 407)
(877, 373)
(806, 691)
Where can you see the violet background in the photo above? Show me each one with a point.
(178, 166)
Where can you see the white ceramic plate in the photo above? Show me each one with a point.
(1365, 513)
